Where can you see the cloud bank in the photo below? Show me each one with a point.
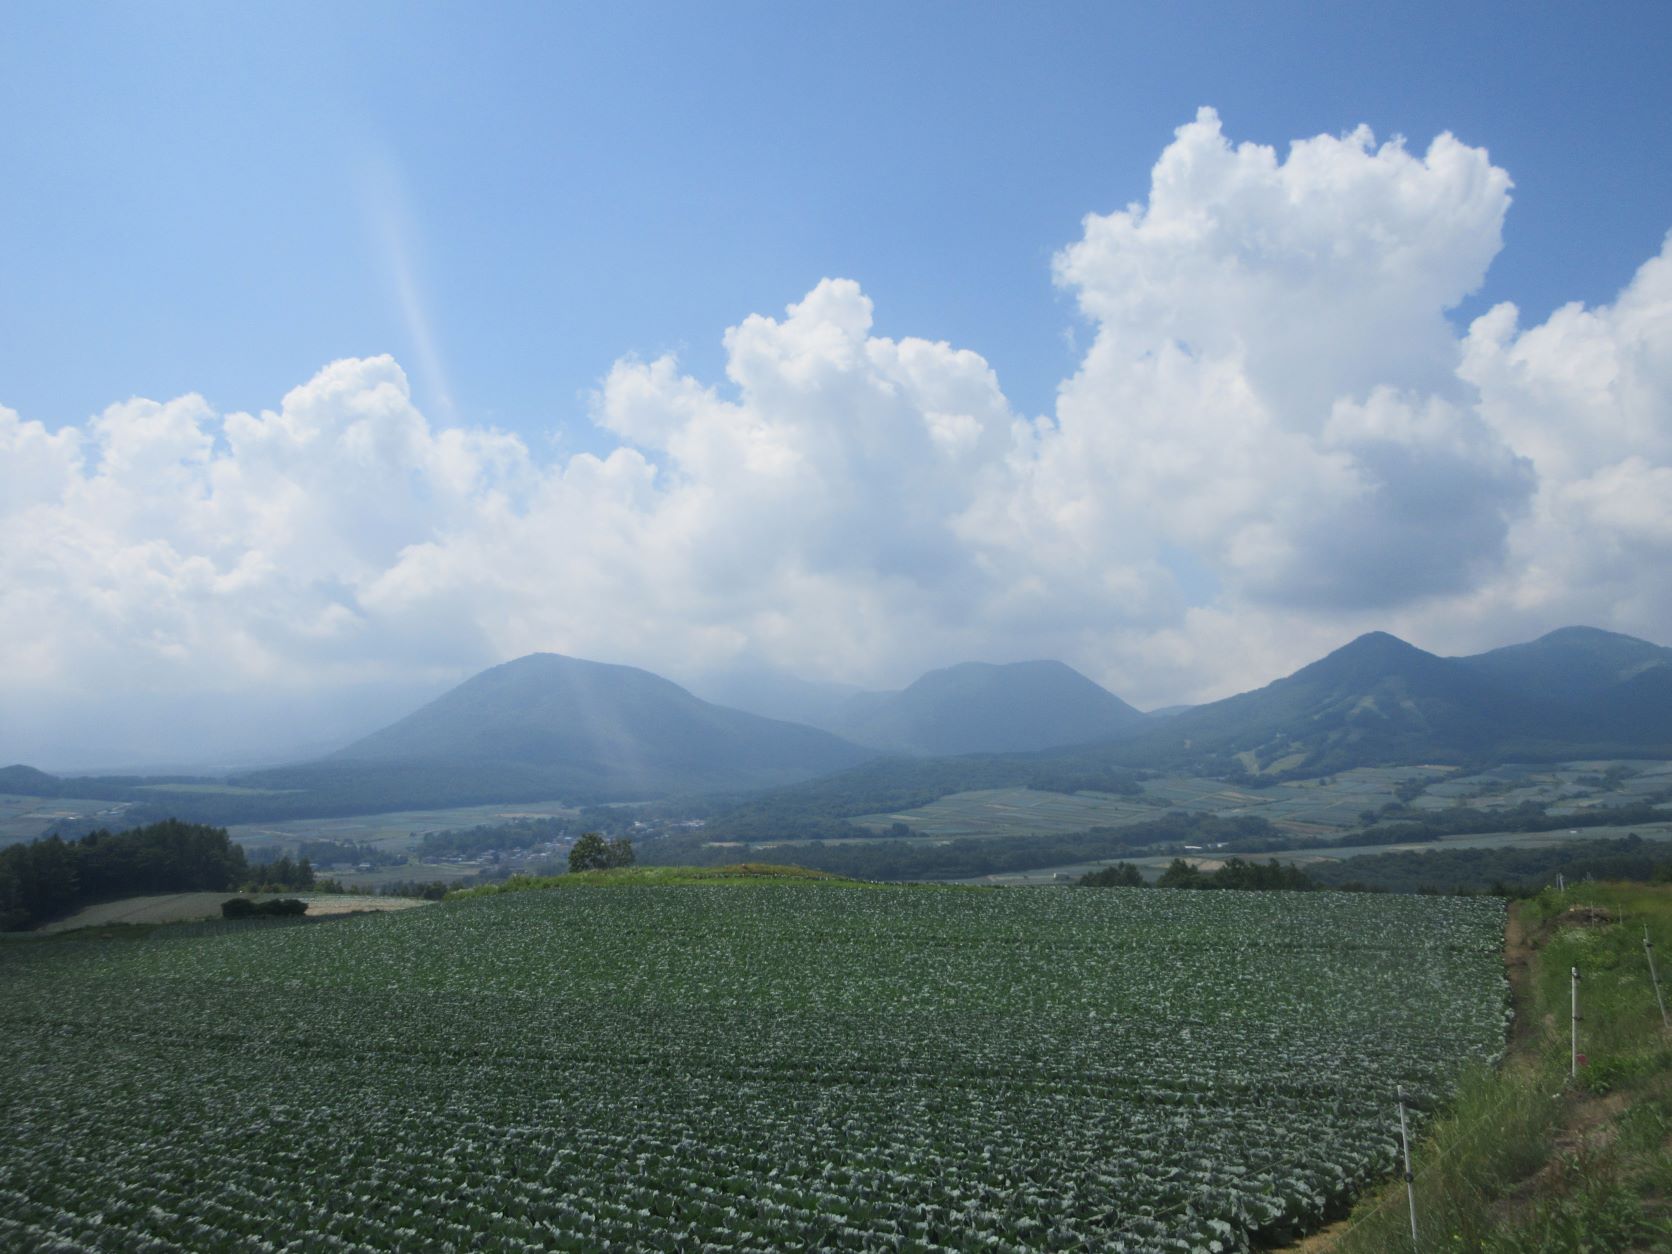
(1276, 438)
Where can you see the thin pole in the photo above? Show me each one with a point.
(1410, 1187)
(1561, 884)
(1649, 949)
(1573, 1052)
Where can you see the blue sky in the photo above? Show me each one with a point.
(216, 198)
(347, 349)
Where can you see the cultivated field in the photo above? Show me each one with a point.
(1311, 810)
(1312, 855)
(28, 818)
(395, 832)
(741, 1067)
(1308, 808)
(1016, 812)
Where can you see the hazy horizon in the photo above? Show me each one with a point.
(343, 359)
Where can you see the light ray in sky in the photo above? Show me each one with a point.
(391, 222)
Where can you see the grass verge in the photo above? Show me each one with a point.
(1528, 1157)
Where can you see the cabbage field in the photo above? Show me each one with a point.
(739, 1067)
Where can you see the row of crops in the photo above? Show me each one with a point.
(748, 1068)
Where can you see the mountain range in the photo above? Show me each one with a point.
(547, 726)
(1576, 692)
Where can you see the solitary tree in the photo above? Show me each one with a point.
(590, 853)
(593, 853)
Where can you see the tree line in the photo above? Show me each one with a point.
(1505, 871)
(1403, 825)
(1234, 873)
(50, 878)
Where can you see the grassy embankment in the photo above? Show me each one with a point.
(1529, 1158)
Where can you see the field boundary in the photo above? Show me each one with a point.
(1529, 1157)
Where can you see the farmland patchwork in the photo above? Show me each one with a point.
(739, 1067)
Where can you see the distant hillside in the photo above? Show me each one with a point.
(982, 708)
(1378, 700)
(541, 727)
(1611, 688)
(589, 728)
(546, 726)
(1576, 693)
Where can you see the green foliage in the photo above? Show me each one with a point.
(806, 1069)
(1180, 874)
(50, 878)
(1512, 870)
(1119, 875)
(1267, 876)
(1235, 873)
(1417, 826)
(280, 874)
(1528, 1159)
(429, 890)
(593, 853)
(244, 908)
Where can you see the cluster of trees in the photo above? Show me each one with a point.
(1504, 871)
(244, 908)
(593, 853)
(1234, 873)
(1500, 871)
(1267, 876)
(281, 874)
(47, 879)
(429, 890)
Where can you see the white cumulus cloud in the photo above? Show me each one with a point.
(1277, 437)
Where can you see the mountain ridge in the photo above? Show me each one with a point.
(546, 726)
(1381, 700)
